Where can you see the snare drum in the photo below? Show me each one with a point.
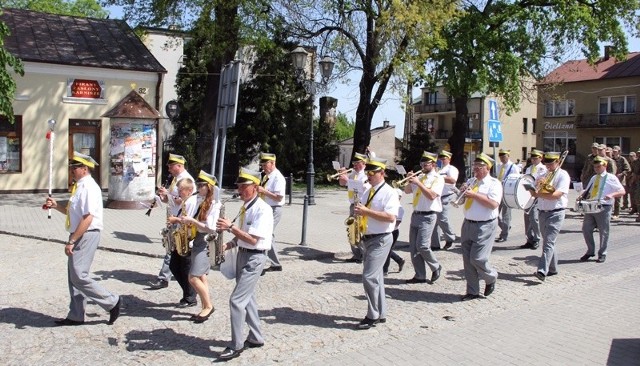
(589, 206)
(515, 194)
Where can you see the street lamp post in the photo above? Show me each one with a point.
(299, 57)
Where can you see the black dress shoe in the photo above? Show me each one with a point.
(401, 265)
(527, 245)
(203, 318)
(436, 274)
(186, 304)
(488, 288)
(447, 245)
(114, 313)
(468, 297)
(250, 344)
(353, 260)
(549, 274)
(382, 320)
(586, 257)
(500, 240)
(435, 249)
(229, 353)
(539, 275)
(271, 269)
(67, 321)
(415, 280)
(535, 246)
(367, 323)
(159, 284)
(601, 259)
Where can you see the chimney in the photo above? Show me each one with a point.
(385, 124)
(607, 52)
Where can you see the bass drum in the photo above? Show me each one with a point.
(515, 194)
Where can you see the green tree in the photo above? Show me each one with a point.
(9, 67)
(381, 39)
(495, 45)
(84, 8)
(344, 127)
(419, 141)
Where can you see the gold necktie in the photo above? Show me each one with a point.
(350, 192)
(533, 170)
(416, 196)
(364, 220)
(501, 172)
(73, 192)
(263, 183)
(173, 184)
(467, 204)
(242, 211)
(596, 187)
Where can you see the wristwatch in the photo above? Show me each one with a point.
(71, 242)
(230, 228)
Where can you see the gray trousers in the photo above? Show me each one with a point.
(242, 303)
(443, 223)
(600, 220)
(81, 285)
(420, 232)
(165, 271)
(550, 225)
(532, 224)
(477, 242)
(273, 252)
(504, 220)
(375, 253)
(357, 249)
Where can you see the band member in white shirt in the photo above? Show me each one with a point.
(552, 193)
(605, 188)
(426, 189)
(483, 194)
(503, 170)
(531, 221)
(272, 190)
(450, 174)
(377, 210)
(358, 174)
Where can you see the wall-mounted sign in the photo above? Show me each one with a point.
(83, 88)
(558, 126)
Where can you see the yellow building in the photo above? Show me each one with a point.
(582, 103)
(77, 71)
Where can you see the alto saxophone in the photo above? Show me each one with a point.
(353, 223)
(167, 234)
(183, 235)
(216, 239)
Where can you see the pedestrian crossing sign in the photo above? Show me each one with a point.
(495, 131)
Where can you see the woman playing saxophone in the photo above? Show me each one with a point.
(204, 222)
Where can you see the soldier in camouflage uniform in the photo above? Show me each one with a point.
(587, 169)
(622, 167)
(635, 186)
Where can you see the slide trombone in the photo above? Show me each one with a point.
(404, 181)
(338, 174)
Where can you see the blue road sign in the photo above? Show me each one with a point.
(495, 131)
(493, 110)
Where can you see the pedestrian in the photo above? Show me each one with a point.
(483, 195)
(503, 171)
(272, 190)
(450, 174)
(84, 213)
(603, 188)
(531, 218)
(349, 180)
(396, 232)
(252, 237)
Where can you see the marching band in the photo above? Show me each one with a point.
(195, 212)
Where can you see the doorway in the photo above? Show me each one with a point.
(84, 137)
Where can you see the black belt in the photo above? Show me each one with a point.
(372, 236)
(247, 250)
(275, 206)
(424, 212)
(479, 222)
(446, 195)
(92, 230)
(556, 210)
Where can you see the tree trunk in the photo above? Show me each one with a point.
(458, 135)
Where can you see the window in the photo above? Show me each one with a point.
(559, 108)
(533, 125)
(525, 123)
(524, 155)
(431, 98)
(617, 104)
(560, 141)
(10, 145)
(623, 142)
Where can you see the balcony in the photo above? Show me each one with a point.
(472, 135)
(595, 120)
(434, 108)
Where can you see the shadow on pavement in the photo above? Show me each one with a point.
(527, 278)
(166, 339)
(138, 238)
(133, 306)
(624, 351)
(23, 318)
(126, 276)
(291, 316)
(422, 292)
(336, 277)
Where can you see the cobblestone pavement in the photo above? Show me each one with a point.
(587, 315)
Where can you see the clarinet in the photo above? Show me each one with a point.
(153, 204)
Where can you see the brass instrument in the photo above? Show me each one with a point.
(167, 234)
(216, 239)
(338, 174)
(544, 185)
(460, 193)
(354, 224)
(183, 235)
(404, 181)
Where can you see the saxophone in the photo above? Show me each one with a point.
(182, 235)
(216, 239)
(167, 234)
(354, 223)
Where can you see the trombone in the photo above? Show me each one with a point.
(338, 174)
(404, 181)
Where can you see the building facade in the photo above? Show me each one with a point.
(77, 70)
(582, 103)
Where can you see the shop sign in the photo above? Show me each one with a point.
(83, 88)
(558, 126)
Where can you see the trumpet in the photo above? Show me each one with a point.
(404, 181)
(338, 174)
(544, 185)
(460, 193)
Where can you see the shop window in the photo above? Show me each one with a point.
(10, 145)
